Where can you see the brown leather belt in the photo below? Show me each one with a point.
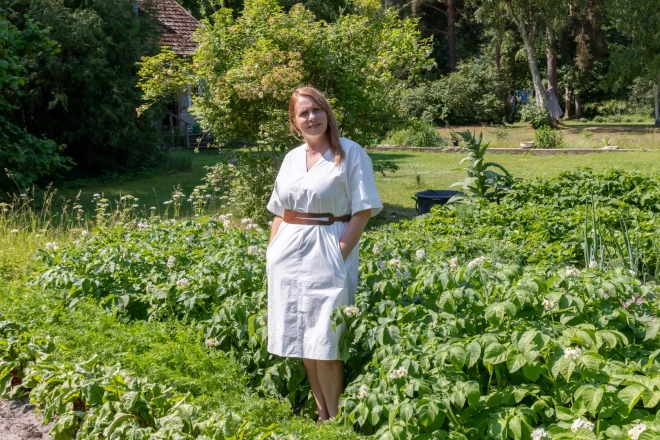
(306, 218)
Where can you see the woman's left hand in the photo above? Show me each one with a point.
(353, 232)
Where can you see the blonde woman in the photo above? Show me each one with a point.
(323, 198)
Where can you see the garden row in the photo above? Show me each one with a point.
(533, 317)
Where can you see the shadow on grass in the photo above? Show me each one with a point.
(392, 213)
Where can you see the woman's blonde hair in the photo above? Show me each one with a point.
(333, 129)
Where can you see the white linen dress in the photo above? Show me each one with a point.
(307, 276)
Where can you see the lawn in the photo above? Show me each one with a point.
(418, 171)
(575, 134)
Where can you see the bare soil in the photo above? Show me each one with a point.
(18, 421)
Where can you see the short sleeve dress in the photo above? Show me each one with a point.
(307, 276)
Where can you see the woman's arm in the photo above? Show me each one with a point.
(353, 231)
(277, 221)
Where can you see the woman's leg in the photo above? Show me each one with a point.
(331, 378)
(311, 366)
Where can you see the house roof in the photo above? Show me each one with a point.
(178, 25)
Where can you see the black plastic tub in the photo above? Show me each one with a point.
(424, 200)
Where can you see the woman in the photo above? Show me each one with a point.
(323, 197)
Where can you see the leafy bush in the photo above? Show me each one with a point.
(599, 119)
(584, 120)
(615, 118)
(546, 137)
(628, 119)
(417, 134)
(536, 115)
(470, 95)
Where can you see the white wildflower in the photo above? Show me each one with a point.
(394, 262)
(136, 199)
(167, 202)
(251, 250)
(593, 264)
(351, 311)
(23, 196)
(476, 262)
(96, 195)
(122, 198)
(420, 254)
(135, 205)
(539, 433)
(579, 423)
(364, 392)
(142, 224)
(226, 223)
(246, 220)
(376, 249)
(397, 374)
(434, 323)
(170, 262)
(453, 263)
(183, 282)
(572, 353)
(14, 231)
(636, 431)
(153, 208)
(212, 342)
(572, 271)
(549, 304)
(84, 233)
(632, 273)
(208, 196)
(51, 246)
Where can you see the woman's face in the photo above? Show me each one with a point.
(311, 120)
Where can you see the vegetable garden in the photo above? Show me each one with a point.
(533, 317)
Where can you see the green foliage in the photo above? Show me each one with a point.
(536, 115)
(84, 95)
(244, 183)
(584, 120)
(599, 119)
(417, 134)
(482, 181)
(546, 137)
(468, 321)
(26, 158)
(249, 66)
(470, 95)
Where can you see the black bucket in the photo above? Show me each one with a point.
(424, 200)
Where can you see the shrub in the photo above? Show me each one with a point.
(418, 134)
(470, 95)
(627, 119)
(640, 119)
(536, 115)
(599, 119)
(584, 120)
(615, 118)
(546, 137)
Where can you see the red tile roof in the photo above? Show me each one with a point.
(178, 25)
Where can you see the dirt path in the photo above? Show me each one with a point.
(18, 421)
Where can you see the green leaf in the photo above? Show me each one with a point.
(652, 329)
(630, 395)
(515, 361)
(532, 372)
(495, 353)
(473, 353)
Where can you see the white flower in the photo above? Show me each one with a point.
(261, 321)
(572, 353)
(14, 231)
(170, 262)
(251, 250)
(51, 246)
(381, 265)
(270, 223)
(141, 225)
(364, 392)
(208, 196)
(420, 254)
(183, 282)
(122, 198)
(636, 431)
(136, 199)
(246, 220)
(211, 342)
(453, 263)
(394, 262)
(632, 273)
(476, 262)
(96, 195)
(434, 323)
(351, 311)
(572, 271)
(84, 233)
(153, 208)
(376, 249)
(135, 205)
(167, 202)
(539, 433)
(397, 374)
(23, 195)
(579, 423)
(548, 304)
(593, 264)
(226, 223)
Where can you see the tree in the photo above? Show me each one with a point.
(639, 22)
(24, 156)
(249, 66)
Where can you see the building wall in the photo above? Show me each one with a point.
(184, 103)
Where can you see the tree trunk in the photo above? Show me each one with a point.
(528, 40)
(551, 60)
(578, 106)
(451, 33)
(568, 96)
(498, 57)
(657, 106)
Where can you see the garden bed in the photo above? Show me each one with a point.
(18, 421)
